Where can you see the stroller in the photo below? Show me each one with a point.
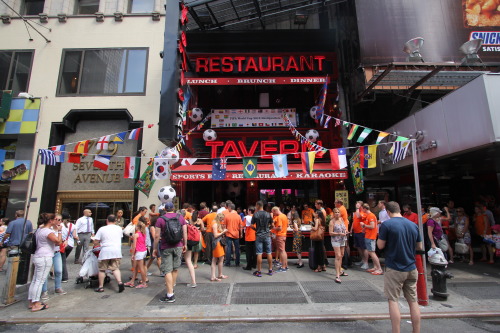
(90, 269)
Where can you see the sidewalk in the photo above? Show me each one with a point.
(299, 294)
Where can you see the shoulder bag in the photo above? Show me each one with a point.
(318, 235)
(28, 245)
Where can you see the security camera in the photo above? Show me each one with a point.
(27, 96)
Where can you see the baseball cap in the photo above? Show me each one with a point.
(169, 205)
(434, 210)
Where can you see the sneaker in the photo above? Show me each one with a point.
(162, 275)
(64, 281)
(149, 273)
(60, 291)
(45, 295)
(364, 266)
(192, 285)
(358, 263)
(270, 273)
(282, 270)
(257, 274)
(167, 299)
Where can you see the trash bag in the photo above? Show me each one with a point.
(90, 265)
(436, 257)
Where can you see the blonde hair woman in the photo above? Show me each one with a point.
(338, 233)
(218, 248)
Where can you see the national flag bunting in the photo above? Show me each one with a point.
(103, 142)
(249, 167)
(338, 158)
(81, 148)
(353, 130)
(328, 118)
(188, 161)
(368, 156)
(280, 164)
(131, 167)
(161, 168)
(134, 134)
(400, 149)
(308, 162)
(337, 122)
(102, 162)
(363, 135)
(59, 153)
(381, 136)
(120, 138)
(219, 166)
(47, 157)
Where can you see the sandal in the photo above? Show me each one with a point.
(344, 274)
(323, 269)
(44, 307)
(215, 280)
(337, 280)
(140, 286)
(129, 284)
(318, 270)
(223, 277)
(99, 290)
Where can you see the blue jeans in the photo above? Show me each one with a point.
(229, 250)
(57, 262)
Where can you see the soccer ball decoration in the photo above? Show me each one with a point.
(166, 194)
(312, 112)
(209, 135)
(312, 135)
(171, 154)
(196, 115)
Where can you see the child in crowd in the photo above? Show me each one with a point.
(138, 252)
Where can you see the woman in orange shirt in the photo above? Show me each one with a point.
(218, 249)
(482, 229)
(250, 240)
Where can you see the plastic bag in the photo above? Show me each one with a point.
(90, 266)
(436, 257)
(129, 229)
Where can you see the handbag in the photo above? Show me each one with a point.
(63, 245)
(461, 248)
(318, 235)
(443, 244)
(28, 245)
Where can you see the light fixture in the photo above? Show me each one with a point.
(444, 177)
(467, 176)
(204, 18)
(25, 95)
(252, 184)
(470, 50)
(301, 17)
(412, 47)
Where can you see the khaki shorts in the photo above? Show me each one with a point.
(171, 259)
(109, 264)
(280, 243)
(394, 281)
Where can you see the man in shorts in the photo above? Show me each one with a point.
(280, 227)
(109, 238)
(369, 225)
(170, 253)
(261, 220)
(358, 235)
(400, 239)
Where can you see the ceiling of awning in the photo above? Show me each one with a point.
(407, 77)
(248, 14)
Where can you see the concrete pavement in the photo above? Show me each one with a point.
(299, 294)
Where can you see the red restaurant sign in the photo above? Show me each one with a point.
(265, 172)
(226, 81)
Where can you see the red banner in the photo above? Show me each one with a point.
(242, 81)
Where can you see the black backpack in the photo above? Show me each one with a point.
(173, 233)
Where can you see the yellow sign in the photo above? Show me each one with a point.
(344, 196)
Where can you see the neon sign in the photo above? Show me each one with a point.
(244, 64)
(267, 148)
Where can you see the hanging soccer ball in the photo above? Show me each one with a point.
(196, 115)
(209, 135)
(312, 135)
(166, 194)
(171, 154)
(312, 112)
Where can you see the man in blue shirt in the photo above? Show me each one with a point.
(15, 232)
(400, 238)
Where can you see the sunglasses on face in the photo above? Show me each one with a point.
(58, 219)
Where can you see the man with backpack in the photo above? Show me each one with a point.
(172, 228)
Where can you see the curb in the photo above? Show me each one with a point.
(242, 319)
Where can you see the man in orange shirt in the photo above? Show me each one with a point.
(409, 214)
(339, 204)
(250, 240)
(208, 221)
(358, 234)
(307, 214)
(369, 224)
(233, 225)
(280, 227)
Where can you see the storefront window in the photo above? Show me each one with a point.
(100, 210)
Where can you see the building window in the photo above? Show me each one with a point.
(33, 7)
(103, 72)
(141, 6)
(15, 69)
(88, 6)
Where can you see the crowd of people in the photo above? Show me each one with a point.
(212, 234)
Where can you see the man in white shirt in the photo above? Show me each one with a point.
(85, 229)
(382, 214)
(109, 239)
